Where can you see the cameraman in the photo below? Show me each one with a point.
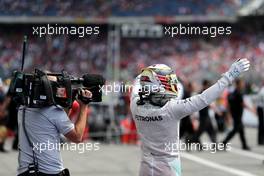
(43, 126)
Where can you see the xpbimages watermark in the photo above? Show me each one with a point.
(79, 147)
(55, 29)
(175, 147)
(120, 87)
(187, 29)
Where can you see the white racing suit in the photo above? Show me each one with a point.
(158, 128)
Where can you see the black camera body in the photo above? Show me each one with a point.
(41, 89)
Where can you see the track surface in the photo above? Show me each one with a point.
(123, 160)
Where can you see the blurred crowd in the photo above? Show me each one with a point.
(99, 8)
(207, 58)
(54, 54)
(204, 57)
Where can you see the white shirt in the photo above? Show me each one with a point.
(44, 126)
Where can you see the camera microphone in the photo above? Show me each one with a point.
(90, 80)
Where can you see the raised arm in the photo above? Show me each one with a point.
(182, 108)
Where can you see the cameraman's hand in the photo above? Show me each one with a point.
(76, 134)
(85, 94)
(238, 67)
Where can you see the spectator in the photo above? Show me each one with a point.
(3, 129)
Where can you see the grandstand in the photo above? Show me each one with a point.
(123, 41)
(87, 8)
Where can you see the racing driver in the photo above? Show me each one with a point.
(157, 111)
